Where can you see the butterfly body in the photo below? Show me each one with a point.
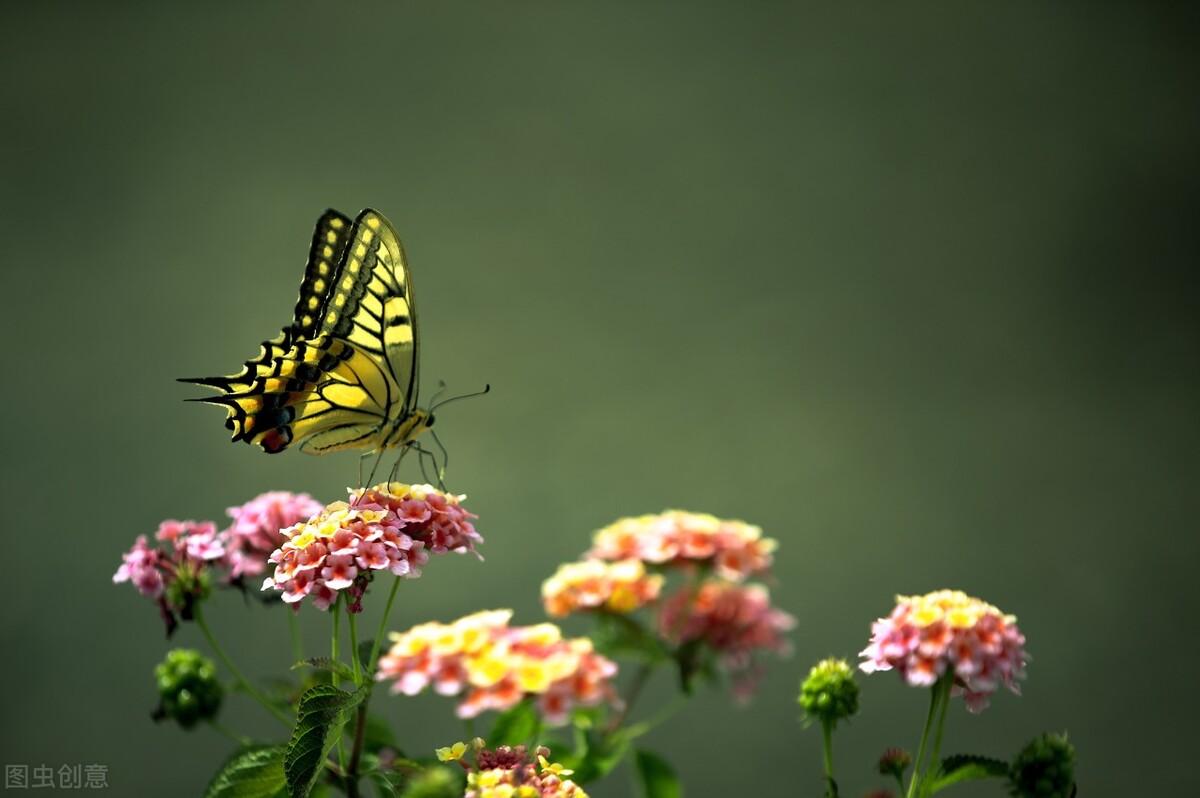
(344, 373)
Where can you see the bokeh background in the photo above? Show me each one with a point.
(910, 285)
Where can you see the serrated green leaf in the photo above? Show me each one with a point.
(515, 726)
(966, 767)
(252, 772)
(319, 720)
(656, 777)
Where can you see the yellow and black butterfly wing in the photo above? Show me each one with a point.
(329, 241)
(348, 363)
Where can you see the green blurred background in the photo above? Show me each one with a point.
(912, 286)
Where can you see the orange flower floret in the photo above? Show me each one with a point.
(621, 586)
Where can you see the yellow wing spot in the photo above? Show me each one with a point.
(348, 282)
(353, 267)
(327, 252)
(339, 300)
(313, 302)
(307, 320)
(323, 268)
(361, 250)
(319, 285)
(335, 223)
(367, 236)
(373, 222)
(331, 317)
(331, 237)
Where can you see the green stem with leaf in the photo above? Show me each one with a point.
(938, 695)
(242, 681)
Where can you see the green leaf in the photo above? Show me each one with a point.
(595, 754)
(383, 786)
(252, 772)
(364, 654)
(656, 777)
(516, 726)
(967, 767)
(319, 720)
(326, 664)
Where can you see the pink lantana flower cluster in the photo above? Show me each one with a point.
(950, 633)
(257, 528)
(176, 573)
(736, 621)
(734, 549)
(390, 527)
(495, 666)
(622, 587)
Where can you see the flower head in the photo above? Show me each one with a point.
(621, 586)
(176, 572)
(736, 621)
(509, 773)
(257, 528)
(392, 527)
(494, 666)
(949, 632)
(733, 548)
(1045, 768)
(188, 688)
(829, 692)
(894, 762)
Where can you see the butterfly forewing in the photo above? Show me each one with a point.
(329, 241)
(347, 365)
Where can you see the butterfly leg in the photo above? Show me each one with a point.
(439, 472)
(371, 479)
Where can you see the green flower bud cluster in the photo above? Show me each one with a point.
(188, 688)
(1045, 768)
(829, 693)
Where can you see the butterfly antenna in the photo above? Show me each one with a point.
(486, 389)
(440, 390)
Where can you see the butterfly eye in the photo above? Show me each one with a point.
(429, 421)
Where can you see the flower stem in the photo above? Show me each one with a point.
(387, 610)
(242, 681)
(934, 699)
(358, 680)
(360, 727)
(333, 675)
(294, 634)
(827, 746)
(638, 683)
(934, 763)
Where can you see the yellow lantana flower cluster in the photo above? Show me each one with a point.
(494, 665)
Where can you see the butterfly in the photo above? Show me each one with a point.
(344, 374)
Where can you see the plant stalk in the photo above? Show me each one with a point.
(242, 681)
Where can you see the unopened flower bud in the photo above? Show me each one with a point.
(188, 688)
(829, 694)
